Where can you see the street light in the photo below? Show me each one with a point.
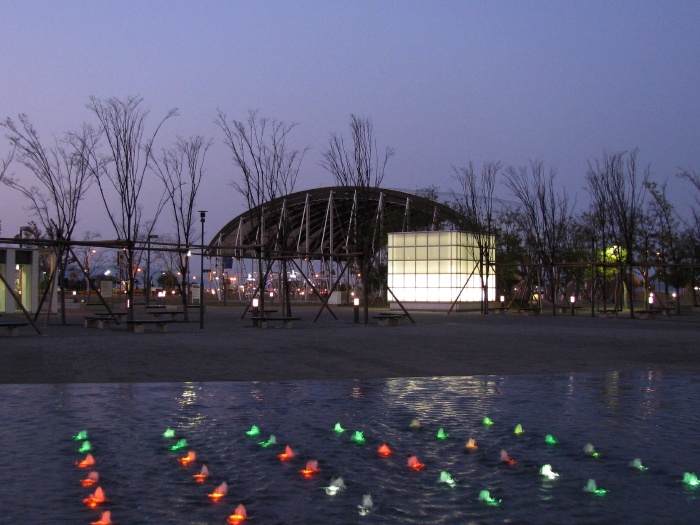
(202, 217)
(148, 269)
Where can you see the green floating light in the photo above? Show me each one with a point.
(589, 450)
(271, 441)
(446, 478)
(81, 435)
(441, 434)
(549, 439)
(518, 429)
(179, 445)
(637, 463)
(358, 437)
(485, 496)
(85, 447)
(338, 429)
(592, 488)
(487, 422)
(254, 431)
(690, 479)
(169, 433)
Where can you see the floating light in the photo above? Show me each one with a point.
(415, 424)
(311, 468)
(547, 472)
(690, 479)
(338, 429)
(189, 458)
(485, 496)
(288, 454)
(471, 445)
(414, 463)
(337, 484)
(179, 445)
(203, 474)
(593, 489)
(384, 450)
(518, 429)
(486, 421)
(254, 431)
(358, 437)
(219, 492)
(366, 505)
(92, 478)
(505, 458)
(105, 519)
(446, 478)
(589, 450)
(238, 516)
(637, 463)
(94, 499)
(89, 461)
(271, 441)
(85, 447)
(81, 435)
(441, 434)
(549, 439)
(169, 433)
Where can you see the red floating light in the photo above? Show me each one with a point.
(105, 519)
(191, 456)
(94, 499)
(237, 516)
(288, 454)
(219, 492)
(384, 450)
(414, 463)
(89, 461)
(311, 468)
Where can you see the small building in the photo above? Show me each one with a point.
(20, 267)
(433, 269)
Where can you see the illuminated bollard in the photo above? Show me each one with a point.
(256, 311)
(356, 309)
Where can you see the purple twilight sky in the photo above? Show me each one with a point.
(445, 82)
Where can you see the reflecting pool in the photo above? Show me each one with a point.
(652, 417)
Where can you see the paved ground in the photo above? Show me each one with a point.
(228, 349)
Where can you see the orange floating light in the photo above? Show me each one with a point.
(237, 516)
(89, 461)
(92, 478)
(384, 450)
(94, 499)
(203, 474)
(191, 456)
(105, 519)
(219, 492)
(414, 463)
(471, 445)
(288, 454)
(311, 468)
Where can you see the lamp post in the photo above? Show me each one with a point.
(202, 216)
(148, 270)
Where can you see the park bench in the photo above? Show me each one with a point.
(648, 314)
(158, 313)
(500, 310)
(100, 322)
(566, 309)
(286, 321)
(611, 314)
(160, 325)
(531, 310)
(389, 319)
(12, 327)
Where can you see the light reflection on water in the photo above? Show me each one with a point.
(646, 415)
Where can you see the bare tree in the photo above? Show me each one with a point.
(269, 170)
(130, 150)
(65, 173)
(618, 191)
(475, 202)
(546, 216)
(181, 169)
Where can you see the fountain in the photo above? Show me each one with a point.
(549, 439)
(105, 519)
(219, 492)
(189, 458)
(415, 464)
(337, 484)
(485, 496)
(446, 478)
(471, 445)
(94, 499)
(441, 434)
(287, 454)
(179, 445)
(637, 463)
(518, 429)
(505, 458)
(270, 441)
(311, 468)
(89, 461)
(80, 436)
(238, 516)
(547, 472)
(203, 474)
(358, 437)
(384, 450)
(590, 451)
(487, 422)
(338, 429)
(85, 447)
(169, 433)
(690, 479)
(92, 478)
(593, 489)
(366, 505)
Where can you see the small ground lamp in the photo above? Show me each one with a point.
(356, 309)
(572, 300)
(256, 303)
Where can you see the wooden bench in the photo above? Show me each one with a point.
(12, 327)
(389, 319)
(286, 321)
(160, 325)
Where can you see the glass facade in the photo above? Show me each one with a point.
(434, 266)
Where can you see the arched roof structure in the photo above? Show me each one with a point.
(320, 221)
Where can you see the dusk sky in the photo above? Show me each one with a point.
(444, 82)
